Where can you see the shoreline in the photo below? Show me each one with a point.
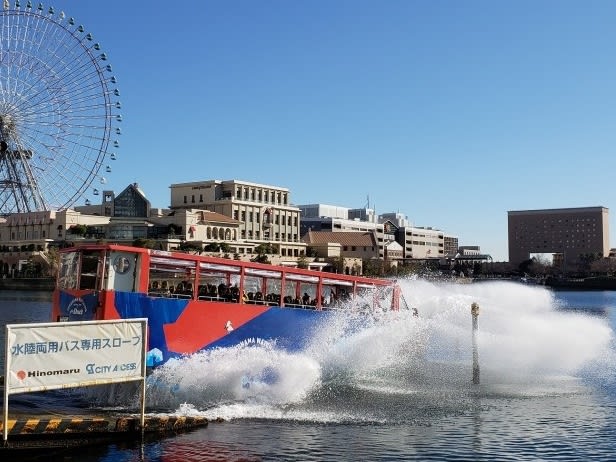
(38, 284)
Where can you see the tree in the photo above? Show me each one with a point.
(78, 230)
(144, 243)
(262, 250)
(337, 263)
(535, 266)
(606, 266)
(586, 260)
(217, 247)
(302, 262)
(191, 246)
(174, 229)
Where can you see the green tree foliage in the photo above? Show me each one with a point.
(337, 263)
(217, 247)
(262, 250)
(144, 243)
(191, 246)
(78, 230)
(302, 262)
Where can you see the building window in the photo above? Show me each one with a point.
(193, 199)
(185, 200)
(200, 197)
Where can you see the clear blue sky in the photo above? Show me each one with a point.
(450, 112)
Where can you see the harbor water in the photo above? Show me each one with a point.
(396, 388)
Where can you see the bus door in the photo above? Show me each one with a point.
(122, 271)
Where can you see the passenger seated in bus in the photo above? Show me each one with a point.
(306, 299)
(259, 297)
(235, 294)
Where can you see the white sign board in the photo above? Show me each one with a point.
(71, 354)
(55, 355)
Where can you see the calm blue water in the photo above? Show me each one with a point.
(399, 389)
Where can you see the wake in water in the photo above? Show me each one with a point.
(384, 365)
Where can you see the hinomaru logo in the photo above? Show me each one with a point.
(21, 374)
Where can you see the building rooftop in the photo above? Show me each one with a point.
(350, 238)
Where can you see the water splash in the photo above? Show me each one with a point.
(370, 367)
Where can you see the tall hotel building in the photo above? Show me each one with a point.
(565, 233)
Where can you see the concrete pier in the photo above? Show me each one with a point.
(31, 434)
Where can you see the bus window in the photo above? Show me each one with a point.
(171, 277)
(308, 293)
(68, 270)
(90, 270)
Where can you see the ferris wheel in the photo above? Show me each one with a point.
(58, 110)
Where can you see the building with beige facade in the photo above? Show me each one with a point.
(264, 213)
(566, 233)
